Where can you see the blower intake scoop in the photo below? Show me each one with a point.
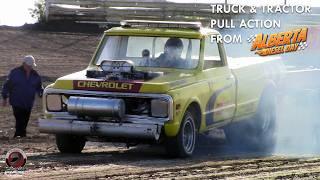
(122, 70)
(120, 66)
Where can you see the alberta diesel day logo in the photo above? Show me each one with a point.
(279, 43)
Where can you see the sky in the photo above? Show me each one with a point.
(16, 12)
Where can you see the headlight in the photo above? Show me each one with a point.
(54, 102)
(159, 108)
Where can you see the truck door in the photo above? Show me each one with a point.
(220, 100)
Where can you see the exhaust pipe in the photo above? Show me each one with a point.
(125, 130)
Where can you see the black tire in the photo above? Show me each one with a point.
(70, 143)
(183, 145)
(256, 133)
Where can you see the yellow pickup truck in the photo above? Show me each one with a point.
(163, 83)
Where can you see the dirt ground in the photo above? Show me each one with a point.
(61, 53)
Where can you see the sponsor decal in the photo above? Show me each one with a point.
(111, 86)
(279, 43)
(210, 118)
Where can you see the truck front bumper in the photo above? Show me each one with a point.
(90, 128)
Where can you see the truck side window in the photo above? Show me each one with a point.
(212, 57)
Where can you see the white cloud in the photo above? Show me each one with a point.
(16, 12)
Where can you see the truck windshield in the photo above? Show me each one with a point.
(161, 52)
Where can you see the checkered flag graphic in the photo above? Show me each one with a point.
(302, 46)
(251, 38)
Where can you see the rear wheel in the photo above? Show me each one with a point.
(70, 143)
(183, 144)
(256, 133)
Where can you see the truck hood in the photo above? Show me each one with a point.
(162, 84)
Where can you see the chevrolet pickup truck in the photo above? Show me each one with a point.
(163, 83)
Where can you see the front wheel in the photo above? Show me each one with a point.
(70, 143)
(183, 144)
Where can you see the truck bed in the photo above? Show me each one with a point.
(251, 74)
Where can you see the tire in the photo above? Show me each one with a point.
(70, 143)
(183, 145)
(256, 133)
(265, 123)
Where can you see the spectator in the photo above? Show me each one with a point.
(20, 88)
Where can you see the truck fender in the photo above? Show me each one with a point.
(172, 129)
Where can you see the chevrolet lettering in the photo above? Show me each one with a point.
(103, 85)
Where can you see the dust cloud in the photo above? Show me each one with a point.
(298, 96)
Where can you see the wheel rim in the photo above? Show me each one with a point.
(267, 118)
(188, 135)
(266, 121)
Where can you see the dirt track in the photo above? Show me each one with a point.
(62, 53)
(146, 162)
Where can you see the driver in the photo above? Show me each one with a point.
(172, 54)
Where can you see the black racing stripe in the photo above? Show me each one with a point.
(211, 103)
